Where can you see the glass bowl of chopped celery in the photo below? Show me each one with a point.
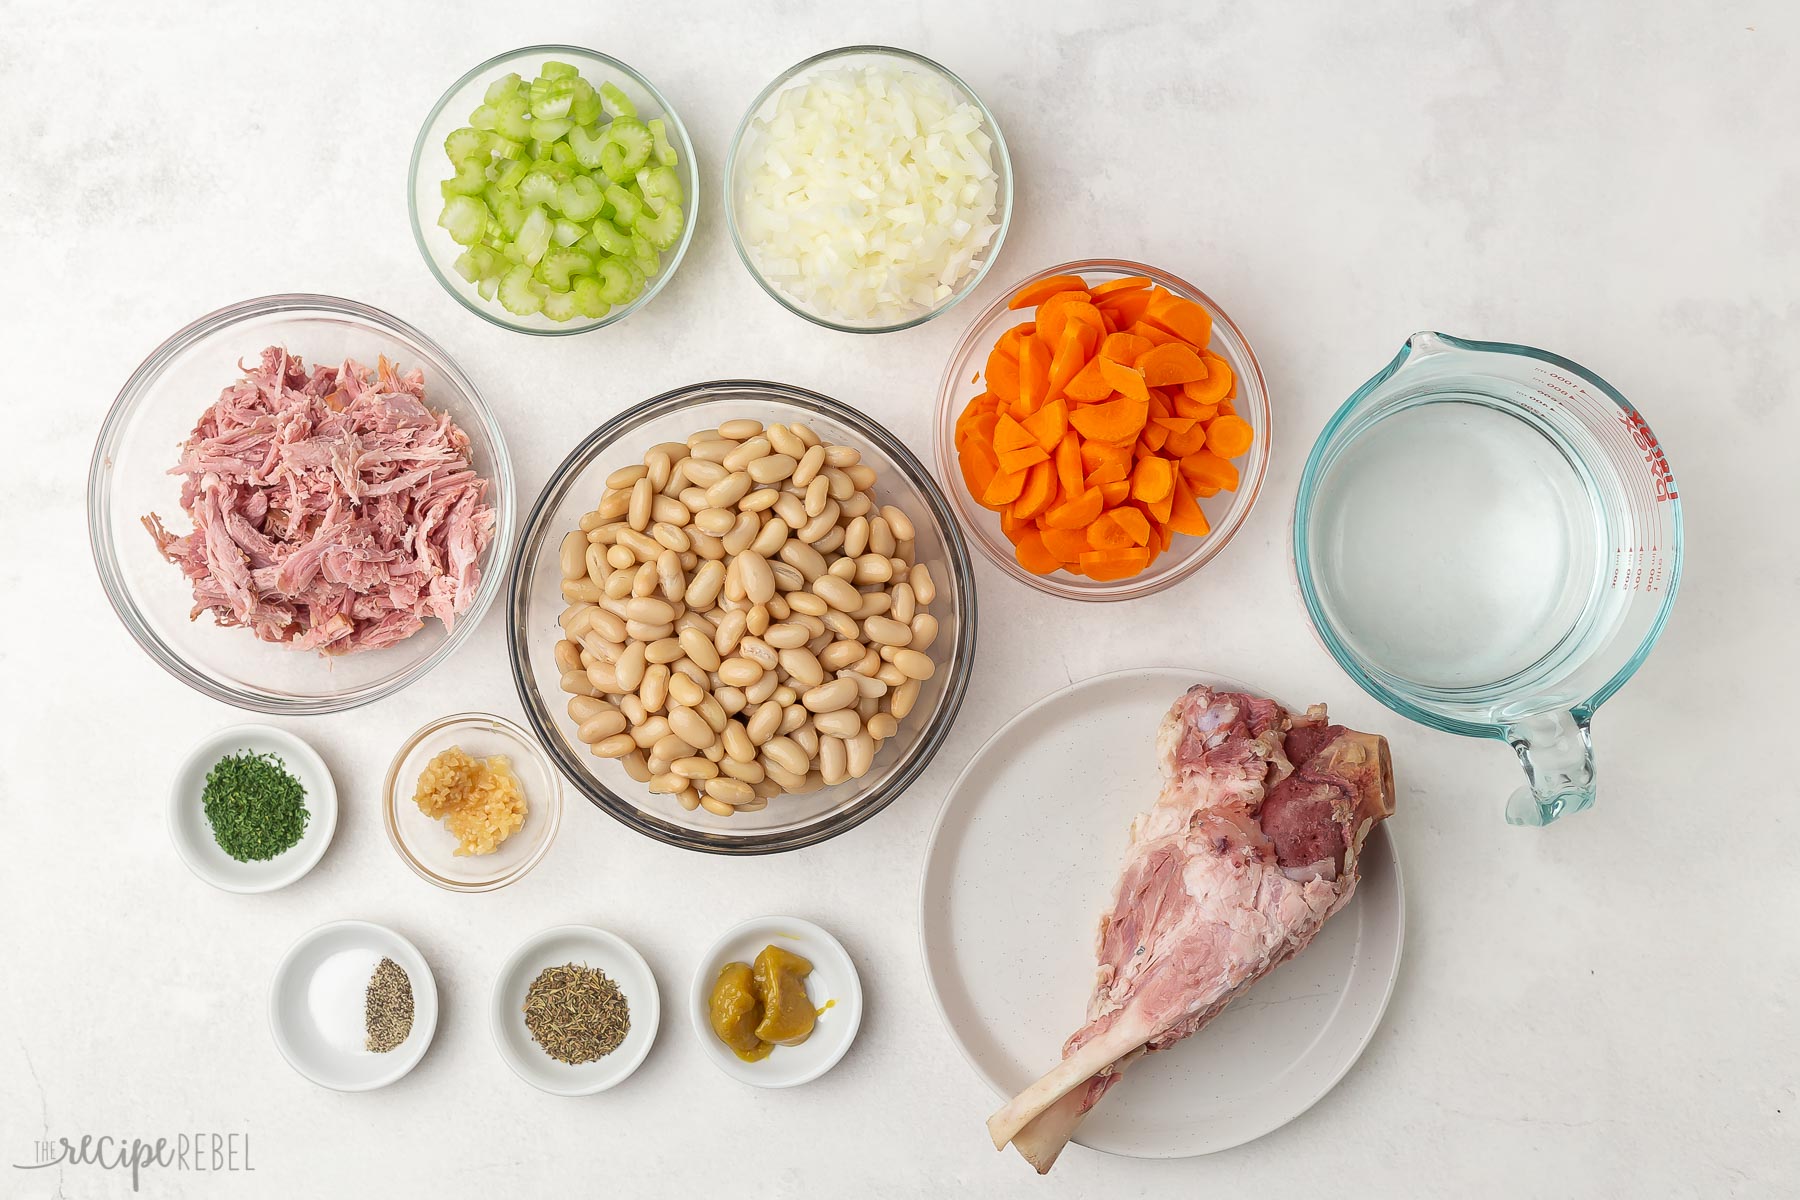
(552, 190)
(868, 189)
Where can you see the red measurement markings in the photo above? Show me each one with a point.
(1646, 442)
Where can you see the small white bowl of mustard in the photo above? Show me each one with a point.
(832, 989)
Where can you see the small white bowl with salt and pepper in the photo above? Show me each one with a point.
(193, 835)
(336, 1000)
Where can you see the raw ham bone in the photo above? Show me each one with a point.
(1252, 844)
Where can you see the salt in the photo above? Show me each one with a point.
(335, 997)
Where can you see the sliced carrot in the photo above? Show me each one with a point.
(1105, 462)
(1114, 564)
(1125, 348)
(1180, 445)
(1127, 381)
(1034, 375)
(1229, 437)
(1040, 290)
(1050, 317)
(1187, 406)
(1013, 525)
(1171, 362)
(1106, 533)
(1205, 467)
(1077, 512)
(1154, 436)
(1022, 459)
(1067, 544)
(1009, 341)
(978, 466)
(1116, 492)
(1037, 493)
(1068, 465)
(1133, 522)
(1034, 556)
(1181, 317)
(1071, 355)
(1184, 514)
(1003, 488)
(1146, 330)
(1151, 479)
(1175, 424)
(1084, 315)
(1114, 421)
(1048, 424)
(1125, 308)
(1125, 283)
(1003, 376)
(1202, 491)
(1159, 510)
(1088, 386)
(1009, 434)
(1214, 386)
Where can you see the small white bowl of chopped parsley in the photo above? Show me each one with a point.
(251, 809)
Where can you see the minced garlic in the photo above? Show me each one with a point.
(479, 799)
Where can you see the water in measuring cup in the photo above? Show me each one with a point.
(1467, 545)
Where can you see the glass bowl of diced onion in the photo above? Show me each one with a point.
(920, 247)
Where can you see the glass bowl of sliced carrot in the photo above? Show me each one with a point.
(1103, 430)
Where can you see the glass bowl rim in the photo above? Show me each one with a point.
(1367, 674)
(964, 289)
(125, 405)
(390, 799)
(931, 739)
(501, 318)
(1204, 549)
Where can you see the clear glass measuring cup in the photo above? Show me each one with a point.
(1488, 539)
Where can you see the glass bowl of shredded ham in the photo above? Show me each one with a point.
(300, 504)
(868, 189)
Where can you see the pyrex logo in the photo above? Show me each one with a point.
(1653, 455)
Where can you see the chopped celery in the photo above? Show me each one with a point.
(517, 295)
(628, 147)
(560, 196)
(580, 199)
(588, 300)
(465, 143)
(465, 218)
(616, 103)
(556, 267)
(660, 230)
(663, 152)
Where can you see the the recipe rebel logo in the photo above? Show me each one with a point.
(212, 1153)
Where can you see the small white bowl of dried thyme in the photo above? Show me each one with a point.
(353, 1006)
(575, 1010)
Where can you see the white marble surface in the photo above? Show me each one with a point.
(1602, 1008)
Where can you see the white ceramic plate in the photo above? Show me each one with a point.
(587, 946)
(193, 836)
(316, 1006)
(833, 987)
(1022, 863)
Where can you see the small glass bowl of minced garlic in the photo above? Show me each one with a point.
(471, 802)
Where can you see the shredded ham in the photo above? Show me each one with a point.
(332, 511)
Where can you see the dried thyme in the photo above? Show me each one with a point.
(576, 1013)
(256, 809)
(387, 1007)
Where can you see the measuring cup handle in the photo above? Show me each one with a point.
(1557, 751)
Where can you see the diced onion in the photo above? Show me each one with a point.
(869, 194)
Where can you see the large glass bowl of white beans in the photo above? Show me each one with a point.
(743, 617)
